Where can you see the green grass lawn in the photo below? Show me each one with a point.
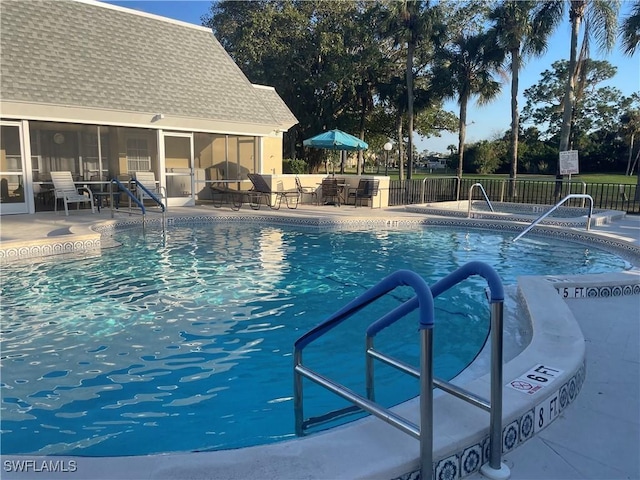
(617, 178)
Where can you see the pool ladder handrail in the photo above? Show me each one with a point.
(132, 197)
(148, 193)
(423, 300)
(471, 198)
(555, 207)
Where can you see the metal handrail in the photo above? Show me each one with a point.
(136, 200)
(494, 405)
(555, 207)
(150, 194)
(129, 193)
(471, 198)
(424, 301)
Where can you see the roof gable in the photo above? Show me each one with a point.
(88, 54)
(276, 105)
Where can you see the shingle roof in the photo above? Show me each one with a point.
(278, 108)
(87, 54)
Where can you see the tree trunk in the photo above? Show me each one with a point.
(410, 51)
(462, 133)
(637, 195)
(629, 169)
(515, 121)
(399, 130)
(363, 114)
(576, 13)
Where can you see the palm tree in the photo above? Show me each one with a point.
(468, 66)
(630, 121)
(630, 33)
(521, 28)
(600, 21)
(410, 22)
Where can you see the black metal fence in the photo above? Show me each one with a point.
(606, 196)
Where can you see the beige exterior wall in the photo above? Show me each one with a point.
(272, 155)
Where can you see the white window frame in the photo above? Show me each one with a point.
(142, 157)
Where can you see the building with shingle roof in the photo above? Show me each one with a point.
(104, 91)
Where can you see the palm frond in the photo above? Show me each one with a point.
(630, 31)
(601, 21)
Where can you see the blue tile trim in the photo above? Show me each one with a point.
(462, 463)
(47, 247)
(448, 468)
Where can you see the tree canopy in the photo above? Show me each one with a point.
(382, 70)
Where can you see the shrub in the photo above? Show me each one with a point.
(294, 165)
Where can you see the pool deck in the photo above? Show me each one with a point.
(598, 437)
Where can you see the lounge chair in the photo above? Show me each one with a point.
(154, 192)
(221, 193)
(330, 192)
(261, 189)
(306, 191)
(367, 189)
(64, 188)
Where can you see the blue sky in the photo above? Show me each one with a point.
(489, 120)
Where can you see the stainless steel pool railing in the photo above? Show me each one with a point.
(132, 197)
(471, 198)
(555, 207)
(423, 301)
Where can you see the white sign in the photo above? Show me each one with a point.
(569, 162)
(535, 379)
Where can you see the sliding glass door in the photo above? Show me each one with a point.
(16, 195)
(178, 165)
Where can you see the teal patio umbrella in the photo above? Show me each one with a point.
(335, 140)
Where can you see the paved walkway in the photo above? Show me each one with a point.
(597, 438)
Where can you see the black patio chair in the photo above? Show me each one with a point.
(330, 192)
(306, 191)
(366, 189)
(262, 190)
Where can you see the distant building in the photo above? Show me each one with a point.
(104, 91)
(435, 162)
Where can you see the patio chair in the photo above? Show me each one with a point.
(65, 189)
(330, 192)
(100, 189)
(156, 192)
(306, 191)
(366, 189)
(221, 193)
(262, 190)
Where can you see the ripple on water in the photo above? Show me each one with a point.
(193, 331)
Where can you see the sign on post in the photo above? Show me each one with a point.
(569, 162)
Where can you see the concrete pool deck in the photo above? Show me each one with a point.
(597, 437)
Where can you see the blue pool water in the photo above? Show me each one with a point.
(183, 341)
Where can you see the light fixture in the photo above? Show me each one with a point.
(387, 147)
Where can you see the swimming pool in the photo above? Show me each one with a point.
(109, 376)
